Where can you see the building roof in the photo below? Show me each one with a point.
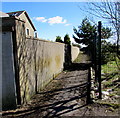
(18, 13)
(2, 14)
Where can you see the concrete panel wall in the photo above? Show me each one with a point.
(8, 75)
(74, 51)
(39, 62)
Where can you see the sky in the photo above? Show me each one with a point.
(51, 19)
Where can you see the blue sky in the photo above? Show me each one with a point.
(51, 19)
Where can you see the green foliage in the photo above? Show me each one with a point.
(86, 34)
(106, 33)
(58, 39)
(67, 39)
(108, 51)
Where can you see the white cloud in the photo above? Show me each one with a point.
(56, 20)
(52, 20)
(41, 19)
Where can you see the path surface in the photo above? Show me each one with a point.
(64, 96)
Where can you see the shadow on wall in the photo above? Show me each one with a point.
(37, 65)
(23, 62)
(38, 62)
(75, 101)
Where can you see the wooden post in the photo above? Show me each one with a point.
(99, 58)
(89, 86)
(95, 57)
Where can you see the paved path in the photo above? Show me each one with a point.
(66, 97)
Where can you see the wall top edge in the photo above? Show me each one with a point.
(38, 39)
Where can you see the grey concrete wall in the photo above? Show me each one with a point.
(74, 52)
(8, 76)
(39, 62)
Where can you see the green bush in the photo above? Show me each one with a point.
(108, 52)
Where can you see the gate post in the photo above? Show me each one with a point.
(67, 56)
(95, 57)
(99, 59)
(89, 86)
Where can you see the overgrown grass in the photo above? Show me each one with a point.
(82, 57)
(110, 70)
(110, 77)
(110, 67)
(78, 59)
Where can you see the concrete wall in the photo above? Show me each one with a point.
(74, 52)
(37, 62)
(8, 76)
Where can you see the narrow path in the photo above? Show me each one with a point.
(67, 94)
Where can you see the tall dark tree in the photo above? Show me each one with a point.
(67, 39)
(108, 10)
(86, 34)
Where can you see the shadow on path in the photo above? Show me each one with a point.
(55, 106)
(79, 66)
(65, 96)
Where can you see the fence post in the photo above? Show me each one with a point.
(95, 57)
(89, 86)
(99, 59)
(67, 56)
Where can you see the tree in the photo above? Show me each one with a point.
(58, 39)
(67, 39)
(109, 11)
(86, 34)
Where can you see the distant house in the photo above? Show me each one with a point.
(29, 27)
